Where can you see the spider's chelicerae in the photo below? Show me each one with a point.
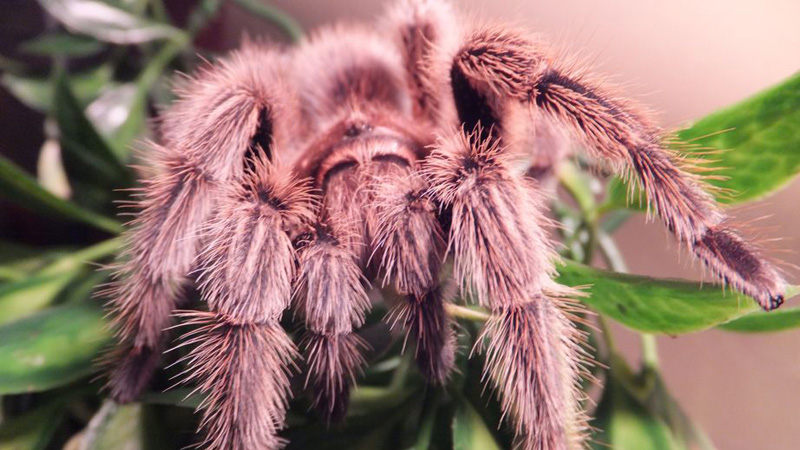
(294, 177)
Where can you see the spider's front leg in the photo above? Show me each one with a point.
(332, 300)
(217, 140)
(219, 116)
(241, 356)
(502, 256)
(502, 67)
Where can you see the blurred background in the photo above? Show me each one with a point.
(683, 58)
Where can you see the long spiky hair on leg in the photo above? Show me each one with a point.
(370, 157)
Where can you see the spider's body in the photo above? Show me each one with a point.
(297, 176)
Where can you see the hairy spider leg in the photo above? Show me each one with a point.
(240, 356)
(217, 138)
(502, 257)
(332, 300)
(503, 66)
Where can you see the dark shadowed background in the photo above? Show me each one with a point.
(683, 58)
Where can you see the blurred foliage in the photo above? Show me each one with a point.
(51, 329)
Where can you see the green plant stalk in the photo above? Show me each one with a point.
(283, 21)
(159, 11)
(572, 179)
(464, 312)
(92, 253)
(202, 14)
(613, 258)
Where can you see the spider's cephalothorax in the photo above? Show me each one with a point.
(296, 177)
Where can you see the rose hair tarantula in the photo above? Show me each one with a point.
(294, 177)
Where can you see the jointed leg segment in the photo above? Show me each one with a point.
(500, 67)
(332, 300)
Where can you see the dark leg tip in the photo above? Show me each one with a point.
(332, 406)
(131, 374)
(773, 303)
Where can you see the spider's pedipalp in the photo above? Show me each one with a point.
(496, 68)
(332, 300)
(410, 244)
(241, 355)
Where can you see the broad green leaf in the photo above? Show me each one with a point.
(625, 424)
(119, 115)
(470, 432)
(87, 156)
(25, 296)
(19, 261)
(656, 305)
(646, 393)
(37, 92)
(22, 298)
(32, 430)
(765, 322)
(19, 187)
(116, 427)
(63, 45)
(51, 348)
(759, 139)
(108, 23)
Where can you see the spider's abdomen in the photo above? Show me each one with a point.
(339, 70)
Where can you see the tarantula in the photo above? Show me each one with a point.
(294, 177)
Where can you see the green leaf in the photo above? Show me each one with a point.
(32, 430)
(656, 305)
(765, 322)
(51, 348)
(108, 23)
(116, 426)
(37, 92)
(63, 45)
(18, 187)
(21, 298)
(625, 424)
(87, 156)
(28, 295)
(645, 395)
(119, 115)
(470, 432)
(760, 142)
(19, 261)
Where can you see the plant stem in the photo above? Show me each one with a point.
(286, 23)
(608, 338)
(464, 312)
(610, 253)
(81, 257)
(159, 11)
(401, 373)
(649, 352)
